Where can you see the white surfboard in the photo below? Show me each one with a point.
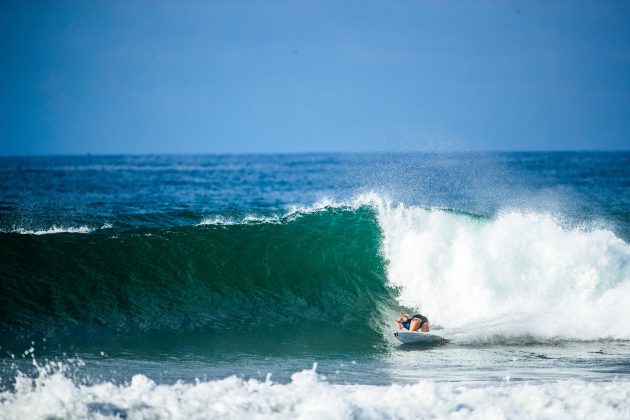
(407, 337)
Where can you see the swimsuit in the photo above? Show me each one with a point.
(422, 319)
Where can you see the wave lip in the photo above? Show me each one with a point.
(248, 219)
(292, 212)
(309, 395)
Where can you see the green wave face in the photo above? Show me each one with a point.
(315, 281)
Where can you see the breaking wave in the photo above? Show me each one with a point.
(330, 275)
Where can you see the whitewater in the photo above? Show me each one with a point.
(266, 287)
(309, 396)
(517, 274)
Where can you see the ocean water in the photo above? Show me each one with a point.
(253, 286)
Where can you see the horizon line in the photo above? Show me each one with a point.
(311, 153)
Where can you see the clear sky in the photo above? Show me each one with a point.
(305, 76)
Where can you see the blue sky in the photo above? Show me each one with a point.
(308, 76)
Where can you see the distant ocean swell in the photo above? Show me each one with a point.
(330, 275)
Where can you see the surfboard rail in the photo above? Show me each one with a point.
(407, 337)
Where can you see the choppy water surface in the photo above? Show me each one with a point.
(206, 286)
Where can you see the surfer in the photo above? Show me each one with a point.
(415, 323)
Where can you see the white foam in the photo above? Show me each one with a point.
(322, 205)
(217, 220)
(309, 396)
(293, 212)
(245, 220)
(54, 229)
(519, 274)
(60, 229)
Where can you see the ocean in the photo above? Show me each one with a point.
(267, 286)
